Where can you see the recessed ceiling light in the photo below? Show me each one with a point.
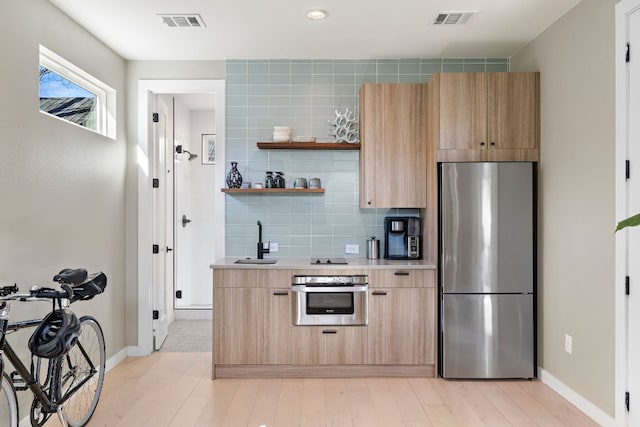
(317, 14)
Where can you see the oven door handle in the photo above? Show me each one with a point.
(334, 289)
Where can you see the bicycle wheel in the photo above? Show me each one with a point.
(84, 362)
(8, 403)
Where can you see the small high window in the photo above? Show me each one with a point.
(71, 94)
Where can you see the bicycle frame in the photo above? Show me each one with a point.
(48, 406)
(13, 358)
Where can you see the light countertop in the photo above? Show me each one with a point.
(305, 263)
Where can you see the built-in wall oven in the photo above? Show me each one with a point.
(330, 300)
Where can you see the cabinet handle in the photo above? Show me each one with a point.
(401, 273)
(379, 293)
(481, 143)
(493, 143)
(280, 293)
(369, 202)
(329, 331)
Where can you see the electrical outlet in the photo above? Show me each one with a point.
(352, 248)
(273, 247)
(568, 343)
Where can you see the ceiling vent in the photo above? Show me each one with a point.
(454, 18)
(192, 20)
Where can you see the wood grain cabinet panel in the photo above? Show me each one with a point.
(276, 334)
(401, 326)
(485, 116)
(238, 329)
(393, 148)
(329, 345)
(402, 278)
(252, 326)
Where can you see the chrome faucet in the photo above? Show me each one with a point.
(261, 249)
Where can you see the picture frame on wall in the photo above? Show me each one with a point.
(208, 148)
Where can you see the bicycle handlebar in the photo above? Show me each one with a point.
(35, 294)
(72, 289)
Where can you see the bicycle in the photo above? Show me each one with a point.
(70, 350)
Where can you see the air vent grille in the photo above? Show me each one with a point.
(192, 20)
(454, 18)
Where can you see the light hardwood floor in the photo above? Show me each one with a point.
(175, 389)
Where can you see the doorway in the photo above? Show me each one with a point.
(150, 286)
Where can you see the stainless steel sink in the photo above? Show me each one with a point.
(256, 261)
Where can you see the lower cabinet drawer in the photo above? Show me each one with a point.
(402, 278)
(328, 345)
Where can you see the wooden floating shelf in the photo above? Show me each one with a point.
(307, 146)
(271, 190)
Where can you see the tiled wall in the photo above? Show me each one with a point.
(304, 94)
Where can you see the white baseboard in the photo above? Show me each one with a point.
(193, 314)
(591, 410)
(114, 360)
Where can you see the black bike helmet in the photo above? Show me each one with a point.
(55, 336)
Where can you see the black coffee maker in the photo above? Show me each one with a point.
(402, 237)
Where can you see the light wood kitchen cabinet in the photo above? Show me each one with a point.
(402, 278)
(253, 326)
(485, 116)
(253, 335)
(238, 336)
(401, 326)
(329, 345)
(393, 148)
(252, 316)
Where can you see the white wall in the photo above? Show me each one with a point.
(575, 58)
(203, 210)
(62, 188)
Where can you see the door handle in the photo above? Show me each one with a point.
(185, 221)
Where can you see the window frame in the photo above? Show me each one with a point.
(105, 95)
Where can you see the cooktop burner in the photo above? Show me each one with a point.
(329, 261)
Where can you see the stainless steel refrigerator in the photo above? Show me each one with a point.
(487, 270)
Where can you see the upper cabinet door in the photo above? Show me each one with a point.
(463, 111)
(485, 116)
(513, 110)
(393, 149)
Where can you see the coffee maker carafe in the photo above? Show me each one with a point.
(402, 238)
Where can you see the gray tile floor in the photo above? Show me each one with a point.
(188, 336)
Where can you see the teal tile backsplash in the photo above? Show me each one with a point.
(304, 94)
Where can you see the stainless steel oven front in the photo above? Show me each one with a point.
(330, 300)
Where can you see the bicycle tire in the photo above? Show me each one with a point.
(8, 403)
(73, 368)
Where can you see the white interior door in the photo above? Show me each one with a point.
(633, 255)
(162, 221)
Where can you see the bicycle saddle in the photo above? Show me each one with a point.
(71, 276)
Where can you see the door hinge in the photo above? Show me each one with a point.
(155, 118)
(627, 56)
(626, 401)
(156, 182)
(627, 287)
(156, 249)
(627, 169)
(178, 294)
(156, 314)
